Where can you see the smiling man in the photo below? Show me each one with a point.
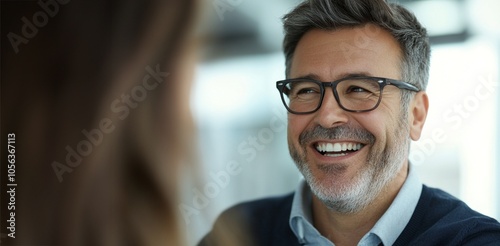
(355, 92)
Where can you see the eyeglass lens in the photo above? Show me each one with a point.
(353, 94)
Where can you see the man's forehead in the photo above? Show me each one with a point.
(348, 50)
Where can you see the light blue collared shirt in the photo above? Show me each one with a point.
(385, 231)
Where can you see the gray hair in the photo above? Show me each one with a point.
(336, 14)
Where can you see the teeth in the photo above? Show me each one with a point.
(336, 155)
(338, 147)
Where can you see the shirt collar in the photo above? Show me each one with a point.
(301, 218)
(387, 229)
(397, 216)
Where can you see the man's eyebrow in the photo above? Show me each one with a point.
(355, 74)
(341, 76)
(308, 76)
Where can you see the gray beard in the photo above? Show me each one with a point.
(381, 168)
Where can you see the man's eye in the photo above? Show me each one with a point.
(303, 90)
(357, 90)
(306, 91)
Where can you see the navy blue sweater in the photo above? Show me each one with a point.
(438, 219)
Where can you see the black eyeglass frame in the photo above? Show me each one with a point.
(382, 82)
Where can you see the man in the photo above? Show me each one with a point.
(356, 72)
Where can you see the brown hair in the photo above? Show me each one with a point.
(116, 67)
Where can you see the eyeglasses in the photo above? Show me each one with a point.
(353, 94)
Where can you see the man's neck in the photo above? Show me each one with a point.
(348, 229)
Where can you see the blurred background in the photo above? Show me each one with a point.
(241, 123)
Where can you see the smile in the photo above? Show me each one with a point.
(338, 149)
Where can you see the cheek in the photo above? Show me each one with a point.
(388, 134)
(296, 125)
(380, 125)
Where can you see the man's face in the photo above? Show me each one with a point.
(349, 180)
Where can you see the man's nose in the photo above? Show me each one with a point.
(330, 114)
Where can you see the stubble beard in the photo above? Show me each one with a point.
(381, 168)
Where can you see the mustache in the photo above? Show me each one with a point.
(339, 132)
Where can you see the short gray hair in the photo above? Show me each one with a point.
(336, 14)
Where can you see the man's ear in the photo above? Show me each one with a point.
(418, 113)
